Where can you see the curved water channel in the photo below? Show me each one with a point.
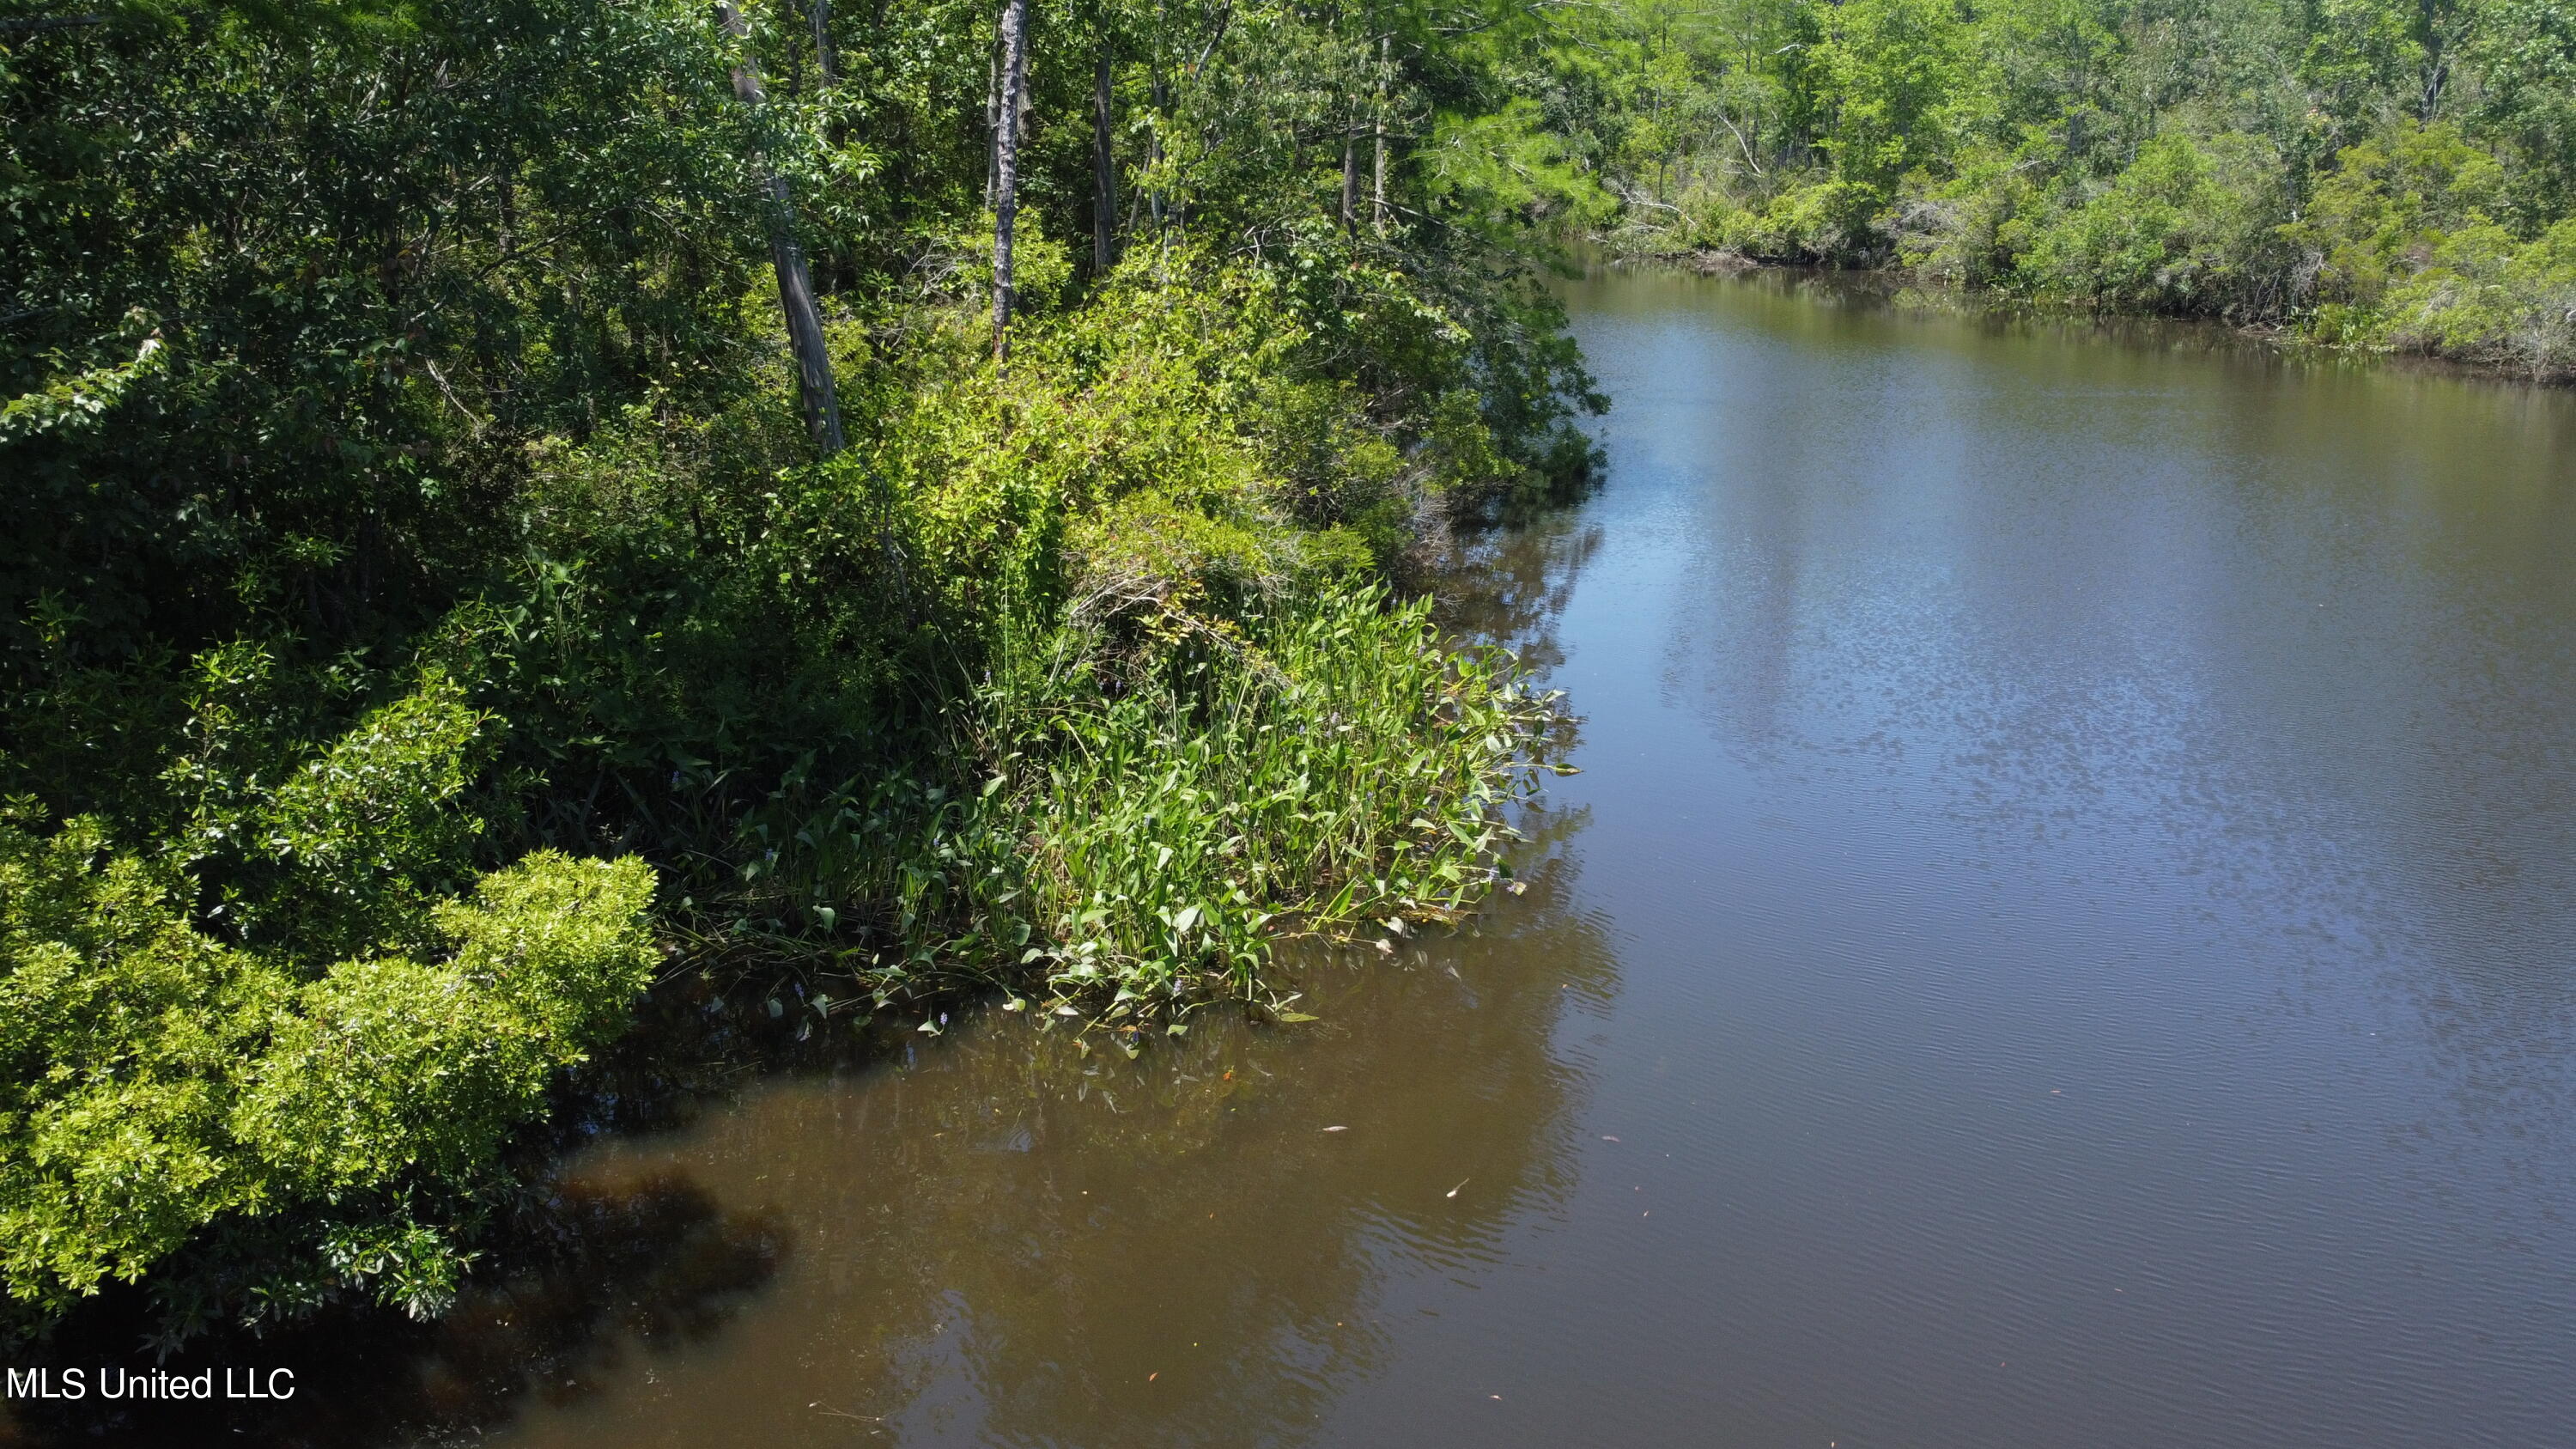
(2066, 936)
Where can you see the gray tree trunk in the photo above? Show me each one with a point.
(1350, 174)
(1006, 164)
(1377, 181)
(826, 59)
(815, 393)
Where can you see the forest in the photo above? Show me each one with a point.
(2380, 175)
(509, 505)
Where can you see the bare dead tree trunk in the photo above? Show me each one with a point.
(1104, 168)
(827, 66)
(815, 393)
(1006, 165)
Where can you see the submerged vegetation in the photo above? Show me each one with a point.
(504, 501)
(2387, 176)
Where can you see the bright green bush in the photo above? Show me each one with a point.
(2386, 207)
(159, 1089)
(2485, 298)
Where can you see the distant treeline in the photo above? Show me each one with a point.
(2394, 174)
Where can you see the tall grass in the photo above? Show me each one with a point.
(1153, 816)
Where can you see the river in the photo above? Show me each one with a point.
(2065, 935)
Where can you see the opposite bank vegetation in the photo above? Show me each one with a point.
(2377, 175)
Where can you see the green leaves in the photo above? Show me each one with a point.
(1285, 777)
(155, 1085)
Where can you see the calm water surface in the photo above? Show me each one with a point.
(2066, 936)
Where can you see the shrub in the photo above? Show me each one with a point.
(2187, 227)
(160, 1090)
(2484, 298)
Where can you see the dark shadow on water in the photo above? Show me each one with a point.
(605, 1269)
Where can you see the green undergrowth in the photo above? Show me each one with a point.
(1155, 816)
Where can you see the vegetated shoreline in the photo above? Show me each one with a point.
(580, 1264)
(1905, 286)
(660, 497)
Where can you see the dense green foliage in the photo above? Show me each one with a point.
(424, 604)
(2382, 173)
(328, 1124)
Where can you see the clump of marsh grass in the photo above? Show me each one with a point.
(1152, 818)
(1337, 767)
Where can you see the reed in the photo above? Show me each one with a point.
(1151, 822)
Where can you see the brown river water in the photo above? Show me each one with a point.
(2065, 936)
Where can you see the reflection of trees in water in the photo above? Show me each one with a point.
(2298, 637)
(1005, 1239)
(1509, 585)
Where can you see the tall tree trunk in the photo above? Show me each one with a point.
(1104, 169)
(1350, 173)
(1006, 164)
(1377, 179)
(827, 66)
(826, 60)
(815, 394)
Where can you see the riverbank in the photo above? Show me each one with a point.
(1900, 286)
(2059, 935)
(2376, 179)
(1418, 800)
